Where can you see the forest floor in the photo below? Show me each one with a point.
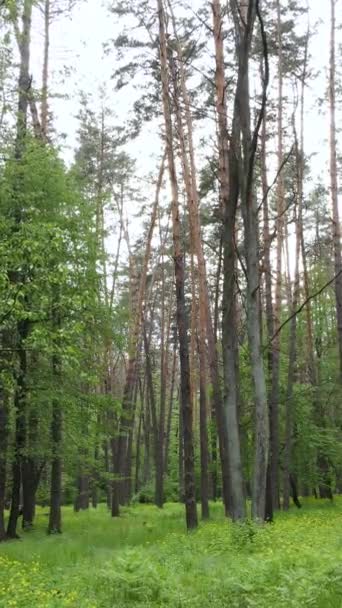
(146, 558)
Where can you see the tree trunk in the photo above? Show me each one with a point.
(126, 421)
(242, 156)
(274, 395)
(229, 192)
(30, 482)
(20, 431)
(186, 406)
(3, 459)
(107, 470)
(138, 443)
(334, 185)
(268, 297)
(24, 85)
(204, 436)
(44, 112)
(170, 410)
(291, 371)
(31, 469)
(82, 497)
(159, 492)
(55, 517)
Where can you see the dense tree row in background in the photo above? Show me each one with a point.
(201, 358)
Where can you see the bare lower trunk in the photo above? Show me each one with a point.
(204, 438)
(30, 482)
(55, 517)
(170, 410)
(20, 434)
(82, 497)
(138, 447)
(3, 459)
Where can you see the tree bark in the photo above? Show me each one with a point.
(170, 409)
(22, 330)
(120, 443)
(274, 395)
(334, 183)
(186, 408)
(229, 192)
(292, 362)
(3, 459)
(44, 111)
(268, 297)
(55, 516)
(243, 148)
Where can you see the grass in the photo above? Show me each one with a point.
(146, 558)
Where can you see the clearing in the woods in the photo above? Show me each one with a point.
(146, 558)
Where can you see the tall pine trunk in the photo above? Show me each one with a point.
(243, 150)
(275, 379)
(227, 418)
(186, 406)
(334, 185)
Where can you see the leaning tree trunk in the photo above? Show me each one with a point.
(186, 406)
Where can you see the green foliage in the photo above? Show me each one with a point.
(147, 559)
(146, 494)
(49, 261)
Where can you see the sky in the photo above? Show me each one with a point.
(77, 43)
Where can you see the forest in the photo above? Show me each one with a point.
(170, 303)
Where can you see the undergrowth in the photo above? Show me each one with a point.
(146, 559)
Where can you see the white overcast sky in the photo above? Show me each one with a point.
(77, 42)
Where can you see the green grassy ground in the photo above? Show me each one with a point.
(147, 559)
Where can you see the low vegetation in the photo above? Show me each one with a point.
(146, 558)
